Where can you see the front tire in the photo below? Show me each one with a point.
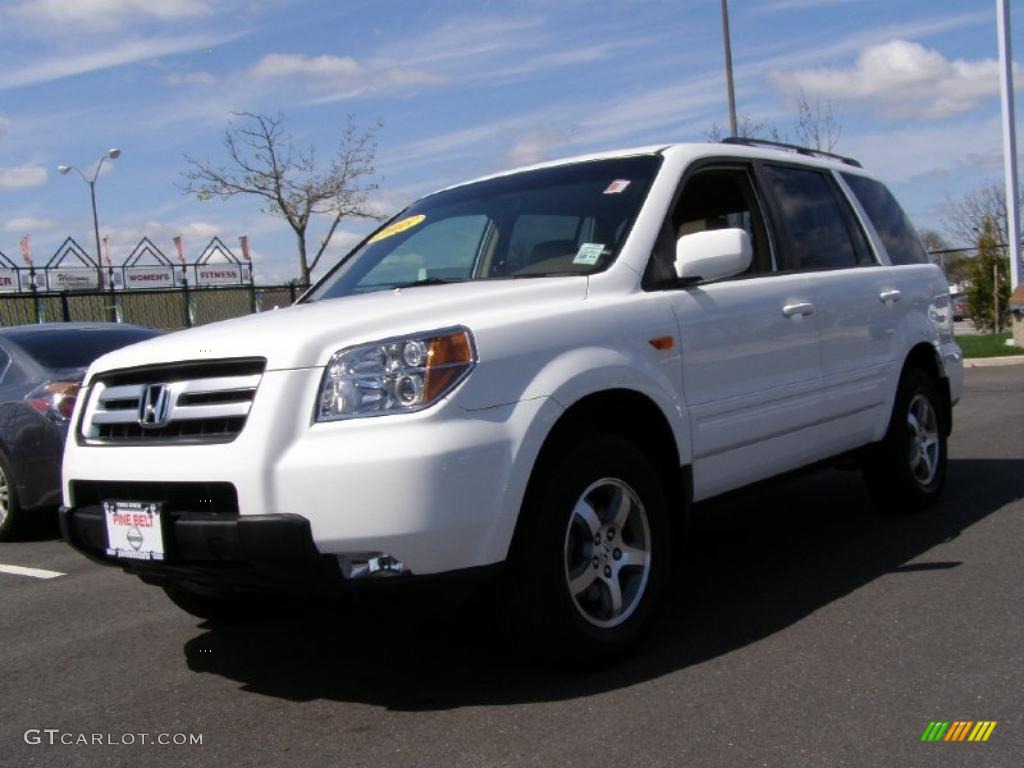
(593, 552)
(906, 471)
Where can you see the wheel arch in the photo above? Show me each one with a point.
(923, 356)
(632, 415)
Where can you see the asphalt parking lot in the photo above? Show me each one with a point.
(806, 631)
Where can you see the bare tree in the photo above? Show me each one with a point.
(816, 126)
(747, 127)
(933, 241)
(966, 217)
(263, 161)
(953, 262)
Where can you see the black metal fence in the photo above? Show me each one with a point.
(170, 309)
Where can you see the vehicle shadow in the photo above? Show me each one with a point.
(39, 525)
(756, 562)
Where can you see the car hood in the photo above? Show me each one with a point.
(306, 335)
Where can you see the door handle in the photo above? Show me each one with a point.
(800, 308)
(890, 296)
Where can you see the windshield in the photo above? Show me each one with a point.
(566, 220)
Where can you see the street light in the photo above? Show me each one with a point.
(113, 153)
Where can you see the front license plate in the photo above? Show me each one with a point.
(133, 530)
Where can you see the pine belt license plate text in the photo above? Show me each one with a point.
(133, 530)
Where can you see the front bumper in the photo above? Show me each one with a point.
(438, 490)
(217, 552)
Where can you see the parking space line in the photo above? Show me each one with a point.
(37, 573)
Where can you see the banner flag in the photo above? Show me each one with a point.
(26, 250)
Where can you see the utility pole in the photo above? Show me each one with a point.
(995, 293)
(728, 68)
(1009, 140)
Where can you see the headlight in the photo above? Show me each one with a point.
(395, 375)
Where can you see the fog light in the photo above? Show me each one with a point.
(363, 565)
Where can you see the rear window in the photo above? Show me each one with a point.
(889, 220)
(63, 348)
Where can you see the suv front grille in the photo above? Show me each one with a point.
(187, 402)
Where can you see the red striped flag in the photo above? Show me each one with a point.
(26, 250)
(181, 249)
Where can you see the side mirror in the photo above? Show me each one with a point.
(713, 254)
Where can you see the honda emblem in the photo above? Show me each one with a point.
(154, 405)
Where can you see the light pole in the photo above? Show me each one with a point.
(728, 68)
(113, 154)
(1009, 140)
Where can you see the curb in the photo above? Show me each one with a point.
(993, 362)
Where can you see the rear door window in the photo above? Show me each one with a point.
(889, 220)
(821, 234)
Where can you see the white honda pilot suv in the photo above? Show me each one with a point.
(535, 375)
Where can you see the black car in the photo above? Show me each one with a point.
(41, 369)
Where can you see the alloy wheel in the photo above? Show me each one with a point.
(607, 553)
(923, 430)
(5, 497)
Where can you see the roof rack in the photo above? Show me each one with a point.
(749, 142)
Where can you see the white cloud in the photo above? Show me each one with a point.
(512, 66)
(535, 146)
(664, 113)
(137, 49)
(5, 124)
(286, 64)
(902, 78)
(190, 78)
(915, 151)
(342, 76)
(385, 203)
(796, 53)
(102, 14)
(22, 176)
(30, 224)
(468, 38)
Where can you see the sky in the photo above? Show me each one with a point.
(462, 89)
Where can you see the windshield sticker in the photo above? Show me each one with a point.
(617, 186)
(397, 227)
(589, 253)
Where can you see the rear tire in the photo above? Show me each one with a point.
(11, 513)
(906, 471)
(592, 554)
